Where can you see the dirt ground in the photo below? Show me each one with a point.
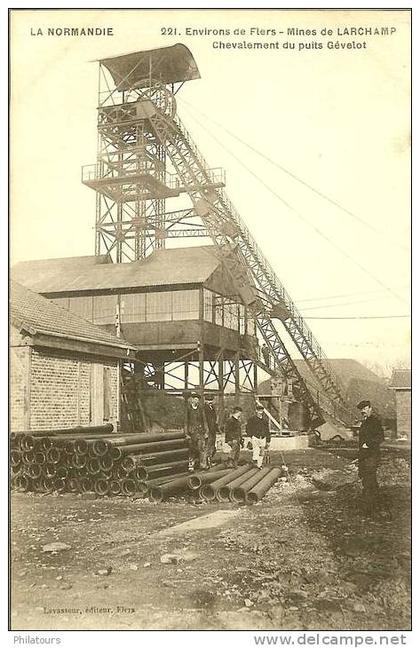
(302, 558)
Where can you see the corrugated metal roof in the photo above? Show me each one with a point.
(41, 315)
(167, 64)
(190, 265)
(401, 379)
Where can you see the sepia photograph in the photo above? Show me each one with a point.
(210, 321)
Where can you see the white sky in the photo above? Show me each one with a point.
(340, 120)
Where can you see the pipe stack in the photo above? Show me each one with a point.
(244, 485)
(94, 459)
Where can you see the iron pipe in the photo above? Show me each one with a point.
(158, 481)
(118, 472)
(128, 486)
(27, 457)
(162, 457)
(99, 447)
(93, 466)
(166, 469)
(62, 472)
(73, 485)
(49, 469)
(101, 487)
(114, 487)
(208, 491)
(40, 458)
(86, 485)
(129, 462)
(23, 483)
(60, 485)
(116, 453)
(238, 493)
(44, 443)
(34, 471)
(159, 493)
(81, 446)
(53, 455)
(145, 437)
(27, 442)
(106, 463)
(148, 448)
(47, 484)
(199, 479)
(258, 492)
(15, 458)
(106, 428)
(223, 493)
(138, 473)
(79, 461)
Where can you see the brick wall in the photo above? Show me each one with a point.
(403, 398)
(19, 358)
(60, 388)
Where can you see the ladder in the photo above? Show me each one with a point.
(133, 414)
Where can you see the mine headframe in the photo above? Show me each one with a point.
(139, 131)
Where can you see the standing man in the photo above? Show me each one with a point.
(213, 427)
(196, 431)
(258, 430)
(233, 436)
(371, 436)
(266, 354)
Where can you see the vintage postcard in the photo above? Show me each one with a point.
(210, 355)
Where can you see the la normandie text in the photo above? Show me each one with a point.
(72, 31)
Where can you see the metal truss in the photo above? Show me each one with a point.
(227, 229)
(218, 376)
(136, 137)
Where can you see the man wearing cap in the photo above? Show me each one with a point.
(213, 427)
(370, 437)
(233, 436)
(196, 431)
(258, 430)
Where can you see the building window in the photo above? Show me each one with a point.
(218, 309)
(133, 307)
(208, 305)
(242, 320)
(104, 309)
(250, 326)
(231, 316)
(159, 307)
(186, 305)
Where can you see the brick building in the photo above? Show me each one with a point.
(401, 384)
(64, 370)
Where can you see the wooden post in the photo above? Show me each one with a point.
(201, 369)
(237, 382)
(221, 389)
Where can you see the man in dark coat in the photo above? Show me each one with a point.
(196, 431)
(258, 430)
(233, 435)
(371, 436)
(213, 427)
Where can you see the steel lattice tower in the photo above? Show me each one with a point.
(138, 132)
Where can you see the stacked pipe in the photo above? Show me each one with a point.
(94, 459)
(245, 485)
